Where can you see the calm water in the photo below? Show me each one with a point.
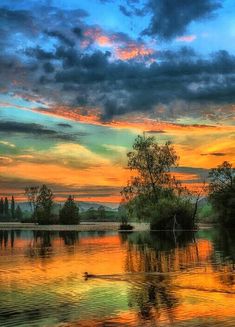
(142, 279)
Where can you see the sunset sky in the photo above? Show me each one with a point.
(79, 80)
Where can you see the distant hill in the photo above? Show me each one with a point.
(84, 206)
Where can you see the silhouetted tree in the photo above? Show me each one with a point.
(1, 206)
(12, 207)
(69, 214)
(222, 192)
(6, 207)
(44, 203)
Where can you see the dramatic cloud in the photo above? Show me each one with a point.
(170, 19)
(32, 128)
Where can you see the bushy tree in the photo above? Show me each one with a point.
(222, 192)
(69, 214)
(153, 186)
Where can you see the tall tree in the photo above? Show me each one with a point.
(32, 193)
(1, 206)
(151, 164)
(12, 207)
(6, 207)
(153, 188)
(222, 192)
(69, 214)
(44, 203)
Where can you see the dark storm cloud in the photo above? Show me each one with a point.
(181, 82)
(170, 19)
(32, 128)
(64, 39)
(121, 87)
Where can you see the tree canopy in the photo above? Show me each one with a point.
(222, 192)
(153, 186)
(69, 214)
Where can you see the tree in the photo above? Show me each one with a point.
(69, 214)
(32, 193)
(151, 163)
(12, 207)
(44, 203)
(6, 207)
(222, 192)
(153, 186)
(18, 213)
(1, 207)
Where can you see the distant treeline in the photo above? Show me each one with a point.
(9, 211)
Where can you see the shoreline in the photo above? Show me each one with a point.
(86, 227)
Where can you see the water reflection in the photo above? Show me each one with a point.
(143, 279)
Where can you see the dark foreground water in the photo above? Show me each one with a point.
(142, 279)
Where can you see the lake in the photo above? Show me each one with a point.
(140, 279)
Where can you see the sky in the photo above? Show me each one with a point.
(79, 80)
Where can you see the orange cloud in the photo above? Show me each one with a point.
(124, 48)
(132, 51)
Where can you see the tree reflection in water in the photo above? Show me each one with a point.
(41, 244)
(69, 237)
(223, 255)
(162, 254)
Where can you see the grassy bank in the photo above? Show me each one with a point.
(84, 226)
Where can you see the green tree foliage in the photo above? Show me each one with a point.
(44, 204)
(222, 192)
(153, 193)
(69, 214)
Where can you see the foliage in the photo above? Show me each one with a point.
(69, 214)
(151, 163)
(153, 193)
(44, 203)
(100, 214)
(222, 192)
(207, 214)
(172, 213)
(7, 210)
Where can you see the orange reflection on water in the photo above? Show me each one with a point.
(148, 282)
